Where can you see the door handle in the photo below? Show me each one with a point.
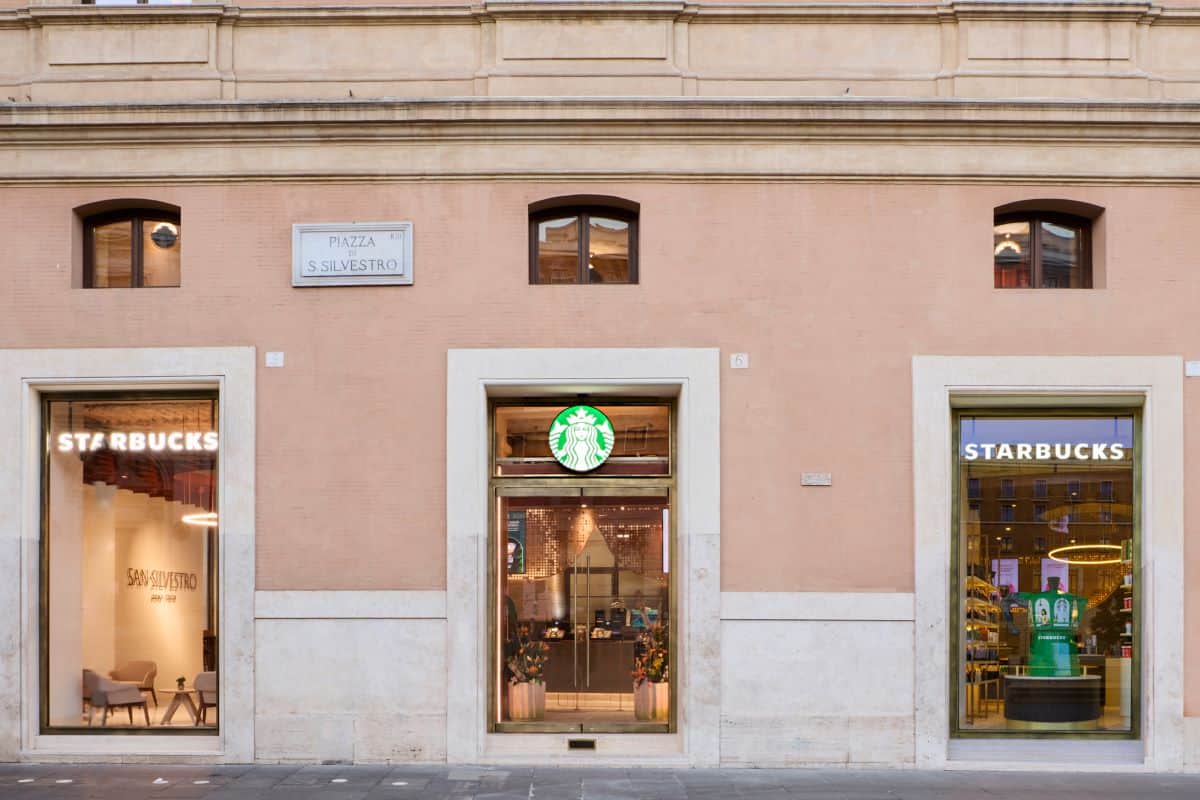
(575, 623)
(588, 646)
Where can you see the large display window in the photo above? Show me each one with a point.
(581, 581)
(129, 554)
(1046, 573)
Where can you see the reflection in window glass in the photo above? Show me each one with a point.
(1047, 252)
(558, 250)
(1047, 623)
(160, 253)
(1013, 253)
(129, 549)
(112, 248)
(1062, 256)
(608, 250)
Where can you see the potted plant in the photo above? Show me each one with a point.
(527, 683)
(179, 682)
(651, 688)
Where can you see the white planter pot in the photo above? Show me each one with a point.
(526, 701)
(652, 701)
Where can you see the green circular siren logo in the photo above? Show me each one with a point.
(581, 438)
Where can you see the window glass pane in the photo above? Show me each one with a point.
(1062, 256)
(160, 253)
(558, 251)
(1047, 621)
(112, 255)
(642, 441)
(608, 250)
(584, 607)
(1012, 250)
(131, 546)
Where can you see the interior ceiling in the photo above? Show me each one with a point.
(134, 415)
(187, 477)
(184, 477)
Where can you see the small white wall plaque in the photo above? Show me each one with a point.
(274, 359)
(350, 254)
(816, 479)
(1191, 369)
(739, 361)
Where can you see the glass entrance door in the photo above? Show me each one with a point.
(582, 603)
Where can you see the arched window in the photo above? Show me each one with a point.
(131, 246)
(1043, 245)
(583, 239)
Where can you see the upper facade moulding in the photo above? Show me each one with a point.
(71, 11)
(67, 53)
(1052, 120)
(840, 140)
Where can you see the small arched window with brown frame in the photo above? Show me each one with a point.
(583, 239)
(1043, 247)
(132, 247)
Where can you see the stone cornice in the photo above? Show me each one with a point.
(717, 12)
(592, 110)
(104, 15)
(843, 139)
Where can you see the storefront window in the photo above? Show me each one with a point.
(1047, 614)
(581, 550)
(129, 555)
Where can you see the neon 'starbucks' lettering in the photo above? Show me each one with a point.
(139, 441)
(581, 438)
(1044, 451)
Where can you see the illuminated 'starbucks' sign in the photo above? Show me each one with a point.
(581, 438)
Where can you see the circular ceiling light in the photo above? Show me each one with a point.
(1077, 554)
(208, 519)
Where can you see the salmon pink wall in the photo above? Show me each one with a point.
(831, 289)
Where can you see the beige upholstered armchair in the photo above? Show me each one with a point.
(139, 673)
(106, 694)
(206, 691)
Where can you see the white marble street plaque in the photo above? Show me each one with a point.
(352, 254)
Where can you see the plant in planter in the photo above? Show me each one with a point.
(651, 687)
(179, 682)
(527, 679)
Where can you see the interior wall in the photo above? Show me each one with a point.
(98, 601)
(155, 622)
(65, 678)
(108, 605)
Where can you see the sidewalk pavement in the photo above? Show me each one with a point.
(342, 782)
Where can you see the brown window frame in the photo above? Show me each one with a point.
(136, 217)
(1035, 218)
(584, 212)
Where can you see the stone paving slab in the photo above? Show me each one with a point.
(344, 782)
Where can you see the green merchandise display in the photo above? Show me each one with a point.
(1053, 622)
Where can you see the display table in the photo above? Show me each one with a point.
(1035, 702)
(182, 698)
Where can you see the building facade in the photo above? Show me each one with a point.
(623, 382)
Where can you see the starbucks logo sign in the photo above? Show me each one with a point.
(581, 438)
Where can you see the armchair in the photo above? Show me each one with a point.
(139, 673)
(108, 694)
(206, 692)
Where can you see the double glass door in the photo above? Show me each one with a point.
(582, 591)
